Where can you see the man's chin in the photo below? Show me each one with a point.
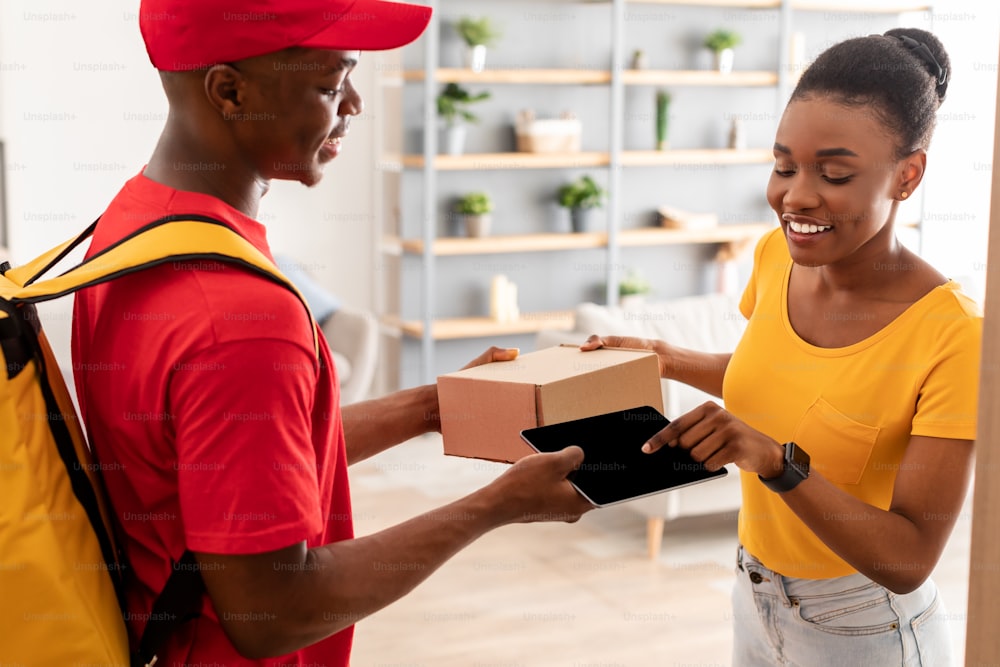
(311, 178)
(308, 178)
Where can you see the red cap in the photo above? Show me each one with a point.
(190, 34)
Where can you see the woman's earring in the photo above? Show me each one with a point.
(904, 194)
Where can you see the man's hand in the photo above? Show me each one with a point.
(494, 354)
(535, 489)
(715, 437)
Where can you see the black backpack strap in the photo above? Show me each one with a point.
(180, 601)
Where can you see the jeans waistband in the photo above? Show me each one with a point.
(759, 575)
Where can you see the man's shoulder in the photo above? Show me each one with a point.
(233, 302)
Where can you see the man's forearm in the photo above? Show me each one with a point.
(282, 601)
(276, 602)
(376, 425)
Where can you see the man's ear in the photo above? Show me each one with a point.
(224, 88)
(912, 171)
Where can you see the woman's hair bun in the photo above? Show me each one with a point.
(927, 49)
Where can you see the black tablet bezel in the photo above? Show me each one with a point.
(613, 481)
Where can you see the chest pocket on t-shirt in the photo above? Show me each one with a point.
(839, 447)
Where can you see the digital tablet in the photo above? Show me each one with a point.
(615, 468)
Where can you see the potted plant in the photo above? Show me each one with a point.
(662, 120)
(721, 43)
(451, 107)
(632, 290)
(639, 60)
(477, 35)
(474, 210)
(581, 197)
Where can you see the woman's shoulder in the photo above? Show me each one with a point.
(953, 297)
(942, 292)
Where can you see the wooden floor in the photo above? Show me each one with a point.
(557, 595)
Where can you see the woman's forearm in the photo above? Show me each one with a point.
(701, 370)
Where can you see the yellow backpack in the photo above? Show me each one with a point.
(60, 571)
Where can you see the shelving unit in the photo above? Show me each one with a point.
(433, 302)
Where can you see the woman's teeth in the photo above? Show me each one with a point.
(807, 229)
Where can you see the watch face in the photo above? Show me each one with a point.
(797, 457)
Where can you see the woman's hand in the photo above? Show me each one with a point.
(661, 349)
(715, 437)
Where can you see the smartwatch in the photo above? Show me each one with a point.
(795, 470)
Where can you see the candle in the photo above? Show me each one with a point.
(498, 298)
(513, 313)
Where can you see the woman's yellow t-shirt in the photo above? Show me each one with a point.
(853, 409)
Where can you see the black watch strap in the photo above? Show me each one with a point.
(795, 470)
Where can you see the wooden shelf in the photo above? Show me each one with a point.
(487, 161)
(721, 234)
(698, 78)
(479, 327)
(549, 242)
(510, 243)
(701, 156)
(581, 160)
(515, 76)
(871, 7)
(858, 7)
(737, 4)
(584, 77)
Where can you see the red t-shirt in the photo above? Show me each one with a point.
(215, 427)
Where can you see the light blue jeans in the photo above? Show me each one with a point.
(843, 622)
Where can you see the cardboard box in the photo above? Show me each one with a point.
(485, 408)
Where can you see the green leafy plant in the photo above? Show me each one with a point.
(662, 118)
(478, 31)
(722, 39)
(633, 283)
(582, 193)
(452, 103)
(474, 203)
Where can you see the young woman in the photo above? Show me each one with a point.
(851, 398)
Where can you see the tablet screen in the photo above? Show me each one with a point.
(614, 467)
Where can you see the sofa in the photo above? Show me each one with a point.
(352, 334)
(710, 323)
(353, 337)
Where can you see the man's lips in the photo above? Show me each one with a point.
(331, 147)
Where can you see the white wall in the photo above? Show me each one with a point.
(81, 108)
(80, 111)
(960, 170)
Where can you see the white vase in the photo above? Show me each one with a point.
(724, 60)
(632, 301)
(451, 140)
(475, 57)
